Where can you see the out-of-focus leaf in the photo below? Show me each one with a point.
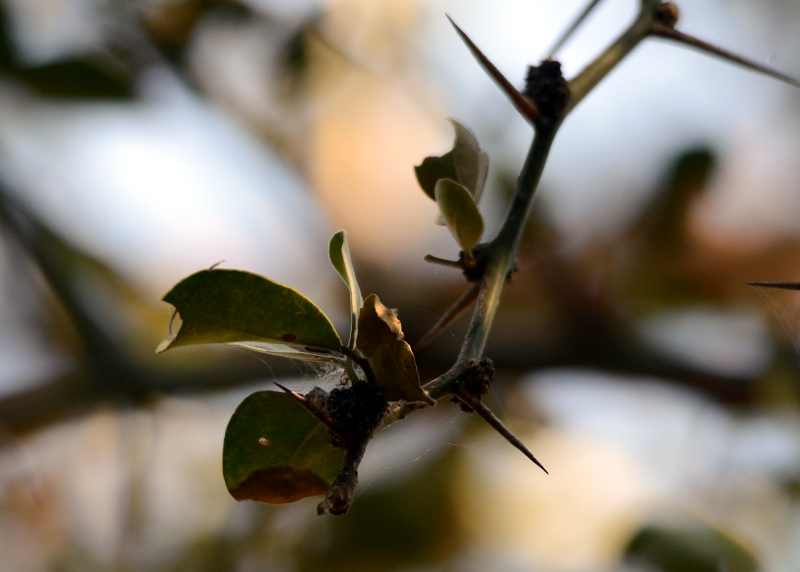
(460, 213)
(390, 357)
(664, 218)
(466, 163)
(225, 306)
(172, 25)
(695, 549)
(339, 252)
(86, 76)
(276, 451)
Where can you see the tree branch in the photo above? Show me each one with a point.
(567, 34)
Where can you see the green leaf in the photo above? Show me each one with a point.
(693, 548)
(466, 163)
(390, 357)
(276, 451)
(460, 213)
(339, 252)
(227, 306)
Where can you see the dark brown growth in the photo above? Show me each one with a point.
(668, 14)
(475, 382)
(356, 410)
(546, 86)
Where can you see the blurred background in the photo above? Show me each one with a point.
(142, 141)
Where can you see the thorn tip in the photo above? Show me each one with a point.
(662, 31)
(522, 104)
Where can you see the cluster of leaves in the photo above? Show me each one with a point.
(281, 446)
(455, 181)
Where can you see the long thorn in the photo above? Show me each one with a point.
(448, 317)
(661, 31)
(298, 397)
(324, 419)
(778, 285)
(487, 415)
(567, 34)
(525, 106)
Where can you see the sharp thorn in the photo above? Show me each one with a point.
(661, 31)
(525, 106)
(567, 34)
(448, 317)
(777, 285)
(323, 418)
(487, 415)
(294, 394)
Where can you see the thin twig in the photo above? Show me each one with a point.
(430, 258)
(567, 34)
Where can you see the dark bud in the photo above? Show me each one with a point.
(546, 86)
(478, 378)
(667, 14)
(475, 267)
(356, 410)
(475, 382)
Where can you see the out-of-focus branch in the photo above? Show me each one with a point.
(101, 333)
(109, 373)
(567, 34)
(71, 396)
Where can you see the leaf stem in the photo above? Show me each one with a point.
(430, 258)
